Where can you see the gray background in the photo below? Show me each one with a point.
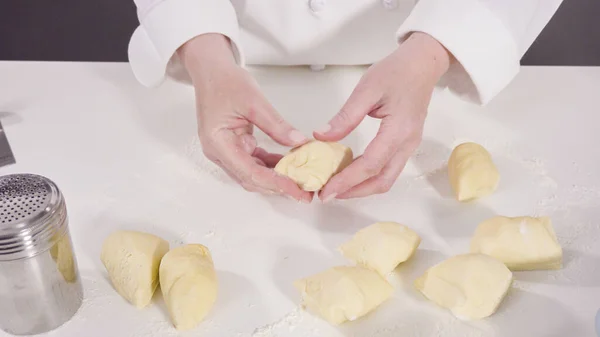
(99, 30)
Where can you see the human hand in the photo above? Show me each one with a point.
(396, 90)
(228, 104)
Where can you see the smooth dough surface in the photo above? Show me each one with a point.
(343, 293)
(471, 286)
(132, 260)
(313, 164)
(381, 246)
(522, 243)
(472, 172)
(188, 283)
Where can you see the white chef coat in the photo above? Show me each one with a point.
(487, 38)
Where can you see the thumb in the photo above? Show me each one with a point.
(360, 103)
(271, 123)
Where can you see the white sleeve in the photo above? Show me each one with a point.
(487, 39)
(165, 25)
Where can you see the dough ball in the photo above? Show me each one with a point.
(313, 164)
(381, 246)
(343, 293)
(472, 172)
(189, 284)
(522, 243)
(132, 260)
(470, 285)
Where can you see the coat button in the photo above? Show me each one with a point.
(317, 67)
(316, 5)
(389, 4)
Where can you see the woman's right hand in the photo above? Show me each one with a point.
(228, 105)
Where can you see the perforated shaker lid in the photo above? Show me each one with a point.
(32, 215)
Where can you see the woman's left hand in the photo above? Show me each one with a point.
(396, 90)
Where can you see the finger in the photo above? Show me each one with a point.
(259, 162)
(253, 175)
(235, 178)
(231, 175)
(377, 155)
(261, 156)
(361, 102)
(270, 159)
(266, 118)
(248, 143)
(258, 178)
(249, 188)
(382, 182)
(256, 189)
(351, 176)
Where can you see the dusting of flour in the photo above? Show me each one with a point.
(568, 206)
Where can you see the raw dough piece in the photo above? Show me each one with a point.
(472, 172)
(470, 285)
(381, 246)
(189, 284)
(132, 260)
(343, 293)
(313, 164)
(522, 243)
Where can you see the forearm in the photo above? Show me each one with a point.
(427, 54)
(205, 52)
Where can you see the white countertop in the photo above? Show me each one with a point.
(127, 157)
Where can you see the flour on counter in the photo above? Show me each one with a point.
(455, 327)
(534, 165)
(97, 296)
(157, 328)
(431, 159)
(292, 321)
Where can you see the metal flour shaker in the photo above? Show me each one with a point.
(40, 288)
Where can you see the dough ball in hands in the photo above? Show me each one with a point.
(522, 243)
(471, 286)
(472, 172)
(313, 164)
(381, 246)
(188, 282)
(132, 260)
(343, 293)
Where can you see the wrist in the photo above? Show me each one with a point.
(429, 53)
(206, 52)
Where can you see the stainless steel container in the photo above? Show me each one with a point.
(40, 287)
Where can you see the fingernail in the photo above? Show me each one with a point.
(324, 129)
(329, 198)
(297, 136)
